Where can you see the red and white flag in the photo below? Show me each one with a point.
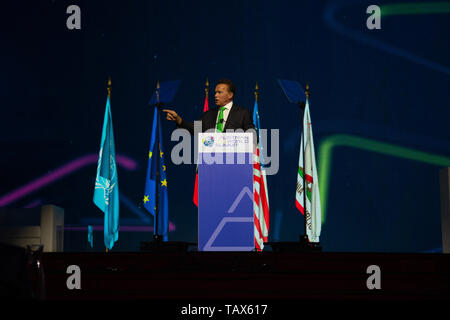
(260, 192)
(205, 108)
(308, 181)
(260, 203)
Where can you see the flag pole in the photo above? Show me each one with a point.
(109, 88)
(109, 97)
(206, 103)
(206, 94)
(304, 238)
(255, 143)
(156, 236)
(260, 173)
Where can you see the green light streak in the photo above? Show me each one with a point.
(414, 8)
(342, 140)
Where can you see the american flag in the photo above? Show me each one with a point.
(260, 193)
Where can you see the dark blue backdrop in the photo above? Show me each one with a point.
(389, 85)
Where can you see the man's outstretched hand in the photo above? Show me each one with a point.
(173, 116)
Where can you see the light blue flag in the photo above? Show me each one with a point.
(150, 183)
(106, 192)
(91, 236)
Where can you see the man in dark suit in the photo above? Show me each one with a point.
(227, 116)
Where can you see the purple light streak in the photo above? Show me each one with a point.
(59, 173)
(122, 228)
(33, 204)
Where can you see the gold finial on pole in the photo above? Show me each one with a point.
(207, 88)
(109, 87)
(157, 92)
(256, 91)
(307, 91)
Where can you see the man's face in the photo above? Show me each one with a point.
(222, 95)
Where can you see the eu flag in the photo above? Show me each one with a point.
(106, 192)
(151, 181)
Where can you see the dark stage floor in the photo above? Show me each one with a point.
(232, 275)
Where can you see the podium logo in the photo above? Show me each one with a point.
(181, 152)
(208, 142)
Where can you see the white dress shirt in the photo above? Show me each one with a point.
(226, 112)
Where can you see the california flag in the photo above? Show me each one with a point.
(308, 170)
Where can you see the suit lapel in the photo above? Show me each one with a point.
(212, 120)
(231, 116)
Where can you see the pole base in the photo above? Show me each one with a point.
(303, 245)
(157, 245)
(311, 246)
